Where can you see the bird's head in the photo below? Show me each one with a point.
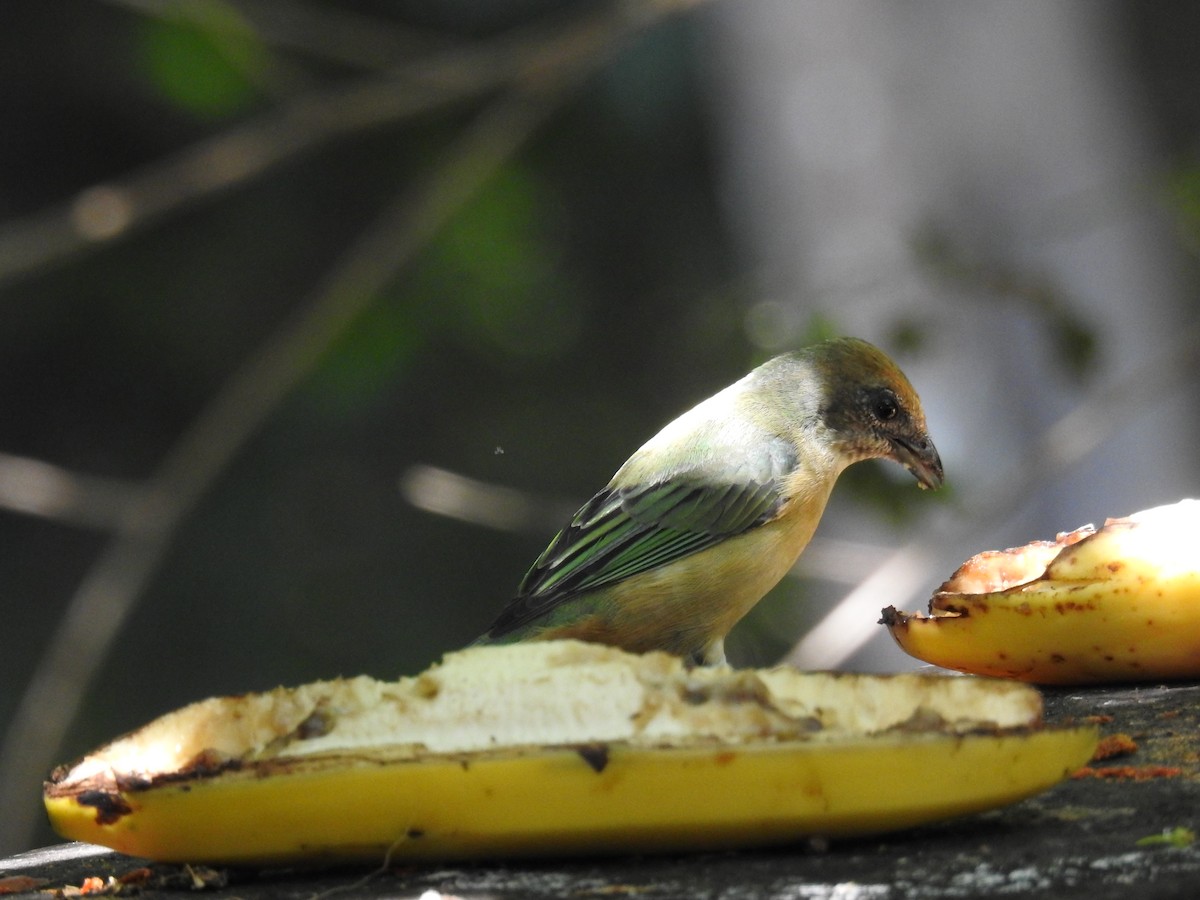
(870, 409)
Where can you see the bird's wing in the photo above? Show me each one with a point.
(623, 531)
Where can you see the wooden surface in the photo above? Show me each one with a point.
(1099, 836)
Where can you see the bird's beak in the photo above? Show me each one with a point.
(920, 457)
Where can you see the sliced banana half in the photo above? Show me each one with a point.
(1114, 604)
(554, 748)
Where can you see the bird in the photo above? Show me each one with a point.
(710, 513)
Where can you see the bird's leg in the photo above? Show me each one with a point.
(712, 655)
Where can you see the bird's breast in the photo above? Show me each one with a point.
(689, 603)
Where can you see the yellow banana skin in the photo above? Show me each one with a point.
(1118, 604)
(554, 802)
(433, 767)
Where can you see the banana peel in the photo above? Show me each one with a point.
(559, 748)
(1116, 604)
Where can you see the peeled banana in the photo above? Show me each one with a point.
(1121, 603)
(554, 748)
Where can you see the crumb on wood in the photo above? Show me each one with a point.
(1127, 773)
(1113, 745)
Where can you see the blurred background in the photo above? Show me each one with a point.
(317, 319)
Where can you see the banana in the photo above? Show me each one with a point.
(1121, 603)
(559, 748)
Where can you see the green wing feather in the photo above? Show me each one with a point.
(623, 531)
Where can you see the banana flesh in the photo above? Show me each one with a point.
(559, 748)
(1115, 604)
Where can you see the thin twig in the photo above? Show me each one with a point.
(318, 30)
(39, 488)
(111, 589)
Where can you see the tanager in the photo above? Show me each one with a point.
(711, 512)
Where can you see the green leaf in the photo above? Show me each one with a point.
(365, 365)
(1174, 837)
(207, 63)
(497, 269)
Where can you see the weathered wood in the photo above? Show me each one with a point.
(1079, 839)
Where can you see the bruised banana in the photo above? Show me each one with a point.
(554, 748)
(1121, 603)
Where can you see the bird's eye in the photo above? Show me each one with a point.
(885, 407)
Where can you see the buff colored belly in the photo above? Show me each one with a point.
(685, 606)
